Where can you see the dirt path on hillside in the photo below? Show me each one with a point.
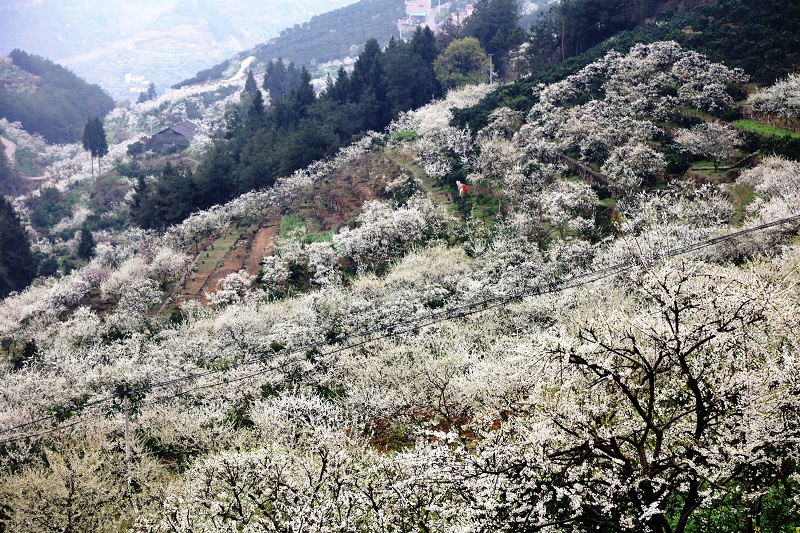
(246, 253)
(11, 150)
(322, 207)
(258, 246)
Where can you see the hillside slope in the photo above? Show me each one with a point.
(47, 98)
(577, 317)
(330, 36)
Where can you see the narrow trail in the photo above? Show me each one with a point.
(10, 149)
(588, 174)
(245, 253)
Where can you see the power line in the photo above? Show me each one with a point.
(396, 328)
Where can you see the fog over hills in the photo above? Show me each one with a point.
(163, 41)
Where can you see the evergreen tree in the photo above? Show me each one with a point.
(424, 44)
(86, 244)
(340, 90)
(492, 24)
(303, 96)
(88, 139)
(101, 148)
(94, 140)
(149, 94)
(367, 71)
(280, 79)
(275, 79)
(292, 77)
(368, 88)
(409, 78)
(250, 85)
(256, 115)
(17, 265)
(141, 212)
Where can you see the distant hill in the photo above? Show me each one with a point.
(162, 41)
(330, 36)
(47, 98)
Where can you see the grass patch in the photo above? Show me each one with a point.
(290, 223)
(609, 202)
(764, 129)
(740, 196)
(322, 236)
(293, 222)
(215, 253)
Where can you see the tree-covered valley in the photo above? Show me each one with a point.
(400, 298)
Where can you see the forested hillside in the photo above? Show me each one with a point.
(564, 304)
(758, 37)
(326, 37)
(53, 101)
(260, 146)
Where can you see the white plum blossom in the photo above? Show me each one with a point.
(599, 126)
(777, 182)
(384, 233)
(323, 264)
(782, 98)
(710, 139)
(629, 165)
(231, 289)
(625, 94)
(774, 176)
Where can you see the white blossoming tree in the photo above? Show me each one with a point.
(630, 165)
(782, 98)
(710, 139)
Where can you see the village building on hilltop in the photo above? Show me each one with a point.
(424, 13)
(417, 11)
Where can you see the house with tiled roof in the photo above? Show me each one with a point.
(179, 135)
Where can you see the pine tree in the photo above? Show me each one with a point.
(101, 145)
(86, 244)
(94, 140)
(17, 265)
(488, 20)
(250, 85)
(149, 94)
(88, 140)
(275, 79)
(256, 115)
(303, 96)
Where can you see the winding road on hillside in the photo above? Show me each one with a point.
(11, 150)
(245, 65)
